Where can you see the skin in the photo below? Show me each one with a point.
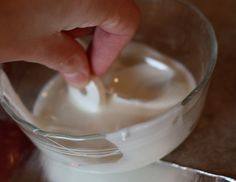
(44, 31)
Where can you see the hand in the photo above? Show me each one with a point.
(44, 31)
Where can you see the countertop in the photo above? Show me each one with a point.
(212, 145)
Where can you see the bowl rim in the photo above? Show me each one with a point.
(97, 136)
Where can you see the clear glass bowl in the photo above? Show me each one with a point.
(172, 27)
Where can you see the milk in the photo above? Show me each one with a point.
(155, 172)
(139, 89)
(149, 89)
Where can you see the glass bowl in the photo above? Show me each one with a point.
(172, 27)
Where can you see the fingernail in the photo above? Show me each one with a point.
(78, 79)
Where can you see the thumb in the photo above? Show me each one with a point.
(64, 54)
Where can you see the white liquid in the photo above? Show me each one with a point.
(157, 172)
(152, 86)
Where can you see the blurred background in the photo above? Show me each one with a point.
(212, 145)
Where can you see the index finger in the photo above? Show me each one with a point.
(112, 35)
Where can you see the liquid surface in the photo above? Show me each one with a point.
(141, 85)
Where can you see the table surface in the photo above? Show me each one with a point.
(212, 145)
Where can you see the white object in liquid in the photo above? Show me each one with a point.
(133, 118)
(91, 98)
